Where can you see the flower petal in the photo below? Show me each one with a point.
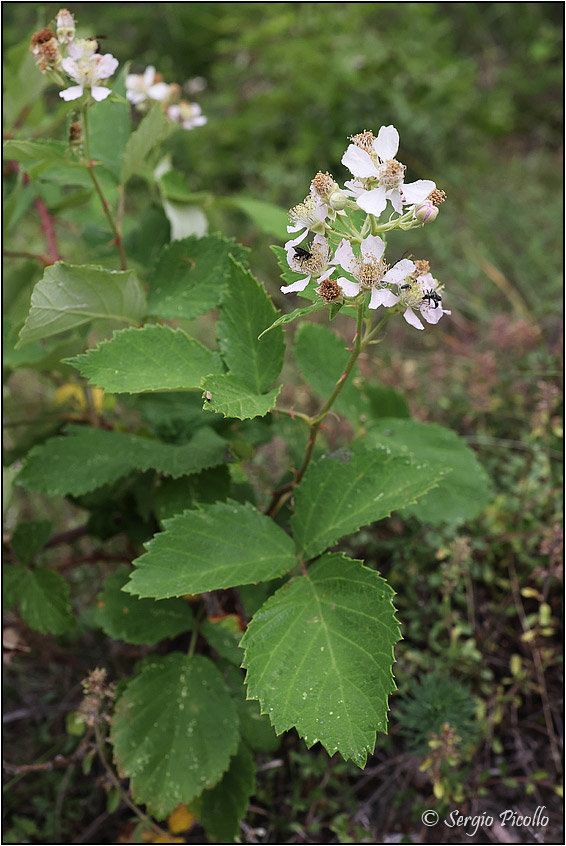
(359, 162)
(399, 272)
(298, 239)
(431, 314)
(396, 199)
(99, 93)
(344, 256)
(351, 289)
(148, 76)
(412, 319)
(105, 65)
(135, 97)
(72, 93)
(158, 91)
(416, 192)
(387, 142)
(299, 285)
(373, 201)
(372, 247)
(70, 67)
(382, 297)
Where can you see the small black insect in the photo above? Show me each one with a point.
(301, 254)
(404, 287)
(432, 297)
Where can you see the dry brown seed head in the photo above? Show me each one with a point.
(324, 184)
(329, 291)
(422, 266)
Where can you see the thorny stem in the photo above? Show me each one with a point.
(100, 740)
(114, 226)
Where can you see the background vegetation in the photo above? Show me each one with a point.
(475, 90)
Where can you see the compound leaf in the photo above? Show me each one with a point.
(86, 458)
(133, 620)
(174, 731)
(154, 358)
(70, 295)
(348, 489)
(319, 655)
(462, 492)
(191, 276)
(218, 546)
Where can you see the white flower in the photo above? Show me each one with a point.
(142, 86)
(370, 270)
(315, 261)
(308, 216)
(374, 163)
(422, 292)
(87, 71)
(187, 114)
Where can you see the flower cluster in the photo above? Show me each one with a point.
(61, 52)
(347, 233)
(88, 68)
(143, 88)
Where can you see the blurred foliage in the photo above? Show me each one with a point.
(475, 90)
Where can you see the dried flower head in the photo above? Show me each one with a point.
(45, 50)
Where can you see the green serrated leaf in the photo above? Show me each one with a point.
(385, 401)
(109, 128)
(44, 602)
(319, 655)
(124, 617)
(35, 151)
(233, 398)
(13, 579)
(345, 490)
(173, 496)
(30, 537)
(224, 634)
(462, 493)
(86, 458)
(174, 731)
(153, 358)
(219, 546)
(70, 295)
(245, 312)
(224, 805)
(191, 276)
(322, 357)
(255, 728)
(268, 218)
(153, 129)
(299, 312)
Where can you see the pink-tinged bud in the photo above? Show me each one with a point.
(426, 212)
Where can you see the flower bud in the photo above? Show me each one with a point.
(337, 201)
(426, 212)
(65, 26)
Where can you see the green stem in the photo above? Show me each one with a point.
(316, 422)
(194, 633)
(116, 229)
